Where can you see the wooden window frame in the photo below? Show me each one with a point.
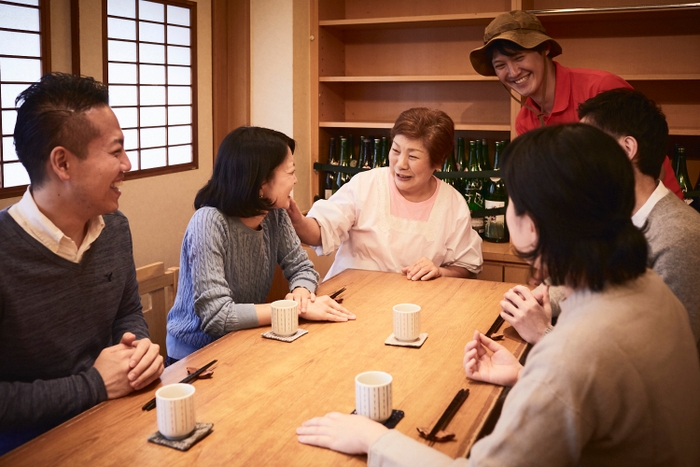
(45, 44)
(136, 173)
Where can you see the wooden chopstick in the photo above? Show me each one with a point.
(150, 405)
(447, 415)
(337, 292)
(495, 326)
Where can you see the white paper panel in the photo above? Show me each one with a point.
(150, 32)
(125, 8)
(179, 95)
(151, 158)
(122, 95)
(8, 149)
(120, 51)
(179, 75)
(14, 175)
(152, 74)
(178, 15)
(27, 70)
(121, 73)
(179, 115)
(180, 155)
(178, 35)
(121, 29)
(134, 159)
(151, 53)
(19, 17)
(179, 134)
(153, 116)
(179, 55)
(131, 139)
(127, 116)
(9, 117)
(19, 43)
(151, 11)
(9, 93)
(27, 2)
(152, 95)
(151, 137)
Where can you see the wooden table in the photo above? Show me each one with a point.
(262, 389)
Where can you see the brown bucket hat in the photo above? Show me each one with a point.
(517, 26)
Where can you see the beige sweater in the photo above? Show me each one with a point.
(616, 383)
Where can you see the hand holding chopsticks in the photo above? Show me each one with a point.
(150, 405)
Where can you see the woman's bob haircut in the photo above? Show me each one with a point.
(247, 158)
(577, 185)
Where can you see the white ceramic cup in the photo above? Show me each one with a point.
(175, 410)
(285, 317)
(407, 322)
(373, 395)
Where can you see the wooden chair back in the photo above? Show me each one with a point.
(157, 288)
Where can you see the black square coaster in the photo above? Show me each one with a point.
(391, 422)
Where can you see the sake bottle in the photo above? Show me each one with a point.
(472, 192)
(495, 228)
(330, 185)
(342, 177)
(682, 171)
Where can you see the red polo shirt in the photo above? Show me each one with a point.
(574, 86)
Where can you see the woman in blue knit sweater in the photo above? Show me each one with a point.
(237, 235)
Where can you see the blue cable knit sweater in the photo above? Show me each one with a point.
(226, 268)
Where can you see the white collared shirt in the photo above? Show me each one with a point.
(640, 217)
(27, 214)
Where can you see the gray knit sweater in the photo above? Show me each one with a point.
(55, 318)
(225, 268)
(673, 234)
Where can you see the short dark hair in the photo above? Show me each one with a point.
(53, 114)
(434, 128)
(626, 112)
(247, 158)
(577, 185)
(510, 48)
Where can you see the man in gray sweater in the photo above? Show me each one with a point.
(72, 332)
(671, 228)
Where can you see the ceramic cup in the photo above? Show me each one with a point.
(373, 395)
(175, 410)
(406, 322)
(285, 317)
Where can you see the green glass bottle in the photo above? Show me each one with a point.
(351, 150)
(379, 158)
(330, 184)
(474, 186)
(495, 227)
(386, 146)
(484, 161)
(682, 171)
(449, 167)
(461, 165)
(366, 161)
(343, 178)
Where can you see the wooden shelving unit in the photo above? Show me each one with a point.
(370, 60)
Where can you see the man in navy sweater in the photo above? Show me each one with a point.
(72, 332)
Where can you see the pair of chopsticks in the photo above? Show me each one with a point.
(447, 415)
(337, 292)
(150, 405)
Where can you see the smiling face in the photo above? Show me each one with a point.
(95, 179)
(411, 169)
(279, 188)
(523, 72)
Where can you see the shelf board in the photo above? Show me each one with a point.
(474, 19)
(404, 78)
(422, 21)
(389, 125)
(662, 77)
(684, 131)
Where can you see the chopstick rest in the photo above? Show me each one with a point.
(200, 432)
(392, 340)
(271, 335)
